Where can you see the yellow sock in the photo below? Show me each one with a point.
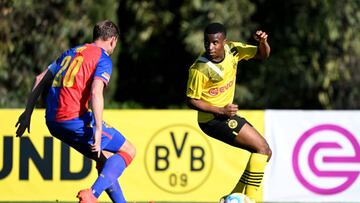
(240, 186)
(250, 181)
(255, 173)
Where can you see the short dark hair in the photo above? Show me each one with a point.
(104, 30)
(214, 28)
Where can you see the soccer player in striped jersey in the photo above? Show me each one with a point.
(210, 91)
(77, 78)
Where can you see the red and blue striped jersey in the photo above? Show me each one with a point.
(74, 72)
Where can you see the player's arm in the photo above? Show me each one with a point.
(24, 120)
(194, 90)
(200, 105)
(263, 50)
(97, 105)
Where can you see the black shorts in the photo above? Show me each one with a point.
(223, 128)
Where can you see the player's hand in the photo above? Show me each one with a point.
(96, 147)
(260, 36)
(23, 123)
(230, 110)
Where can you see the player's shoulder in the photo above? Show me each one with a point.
(73, 50)
(200, 63)
(199, 67)
(101, 52)
(88, 48)
(93, 51)
(233, 44)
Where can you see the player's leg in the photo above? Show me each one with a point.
(237, 132)
(78, 133)
(250, 139)
(75, 134)
(123, 153)
(250, 181)
(114, 191)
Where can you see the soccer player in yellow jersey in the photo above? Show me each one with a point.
(210, 91)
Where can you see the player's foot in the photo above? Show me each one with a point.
(86, 196)
(246, 199)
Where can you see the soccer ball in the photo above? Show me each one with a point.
(236, 198)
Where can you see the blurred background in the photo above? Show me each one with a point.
(314, 63)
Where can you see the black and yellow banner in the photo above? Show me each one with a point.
(175, 161)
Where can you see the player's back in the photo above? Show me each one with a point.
(73, 73)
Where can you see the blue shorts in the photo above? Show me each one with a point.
(78, 133)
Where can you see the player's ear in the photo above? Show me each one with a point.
(113, 41)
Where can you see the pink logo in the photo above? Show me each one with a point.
(213, 91)
(348, 177)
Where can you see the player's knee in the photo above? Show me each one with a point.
(127, 152)
(268, 153)
(126, 157)
(265, 149)
(131, 150)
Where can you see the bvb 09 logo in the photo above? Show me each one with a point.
(178, 159)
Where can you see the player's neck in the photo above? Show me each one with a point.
(102, 44)
(218, 59)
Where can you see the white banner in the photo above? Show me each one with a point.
(316, 156)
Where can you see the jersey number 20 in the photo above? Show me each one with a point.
(69, 77)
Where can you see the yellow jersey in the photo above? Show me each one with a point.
(214, 83)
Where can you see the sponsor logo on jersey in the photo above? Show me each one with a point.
(215, 91)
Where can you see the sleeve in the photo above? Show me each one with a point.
(195, 84)
(245, 51)
(103, 69)
(53, 68)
